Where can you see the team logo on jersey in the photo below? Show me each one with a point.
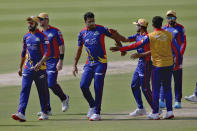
(96, 33)
(50, 35)
(37, 39)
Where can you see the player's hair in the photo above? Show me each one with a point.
(157, 21)
(144, 28)
(88, 15)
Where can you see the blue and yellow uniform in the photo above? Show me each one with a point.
(179, 37)
(161, 46)
(142, 73)
(55, 39)
(34, 47)
(96, 64)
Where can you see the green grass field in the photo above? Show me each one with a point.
(118, 100)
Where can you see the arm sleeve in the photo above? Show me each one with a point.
(132, 38)
(46, 46)
(183, 40)
(136, 45)
(80, 40)
(24, 50)
(60, 38)
(177, 53)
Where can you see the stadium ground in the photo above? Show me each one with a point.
(118, 100)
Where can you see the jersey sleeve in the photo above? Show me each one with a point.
(136, 45)
(80, 39)
(107, 31)
(46, 45)
(176, 52)
(24, 50)
(60, 38)
(132, 38)
(183, 41)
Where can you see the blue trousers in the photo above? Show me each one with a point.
(141, 77)
(161, 76)
(96, 71)
(52, 75)
(177, 74)
(39, 78)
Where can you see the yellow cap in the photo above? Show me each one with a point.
(171, 12)
(32, 18)
(43, 15)
(141, 22)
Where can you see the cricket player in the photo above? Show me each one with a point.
(55, 61)
(178, 33)
(141, 76)
(192, 98)
(36, 51)
(161, 46)
(92, 37)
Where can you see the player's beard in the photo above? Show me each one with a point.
(137, 29)
(172, 23)
(32, 29)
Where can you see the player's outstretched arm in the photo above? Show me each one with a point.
(114, 49)
(139, 55)
(77, 57)
(119, 36)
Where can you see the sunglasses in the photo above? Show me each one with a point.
(41, 19)
(171, 18)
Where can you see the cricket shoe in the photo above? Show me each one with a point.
(168, 115)
(65, 104)
(95, 117)
(153, 116)
(162, 104)
(138, 112)
(177, 105)
(49, 113)
(43, 116)
(192, 98)
(90, 112)
(19, 116)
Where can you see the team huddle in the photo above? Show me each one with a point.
(160, 56)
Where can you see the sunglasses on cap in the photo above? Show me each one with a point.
(171, 18)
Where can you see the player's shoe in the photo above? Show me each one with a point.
(153, 116)
(95, 117)
(90, 112)
(138, 112)
(192, 98)
(177, 105)
(43, 116)
(19, 116)
(162, 104)
(49, 113)
(168, 115)
(65, 104)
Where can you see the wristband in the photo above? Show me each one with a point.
(61, 56)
